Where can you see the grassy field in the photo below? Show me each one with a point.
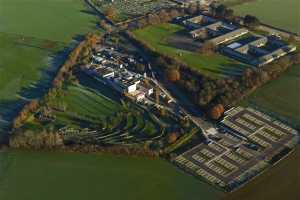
(214, 65)
(60, 176)
(284, 14)
(33, 35)
(280, 96)
(281, 182)
(86, 102)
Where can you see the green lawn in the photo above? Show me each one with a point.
(215, 65)
(86, 102)
(32, 32)
(280, 96)
(284, 14)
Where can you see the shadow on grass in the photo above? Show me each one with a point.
(105, 90)
(10, 108)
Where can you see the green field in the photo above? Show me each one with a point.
(283, 14)
(87, 102)
(214, 65)
(61, 176)
(32, 33)
(280, 96)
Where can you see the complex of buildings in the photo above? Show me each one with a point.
(110, 69)
(236, 42)
(249, 142)
(258, 51)
(210, 29)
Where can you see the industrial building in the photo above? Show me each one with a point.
(109, 70)
(209, 29)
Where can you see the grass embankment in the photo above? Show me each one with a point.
(30, 40)
(282, 181)
(283, 14)
(214, 65)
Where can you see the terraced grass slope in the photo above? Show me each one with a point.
(284, 14)
(91, 104)
(215, 65)
(33, 35)
(281, 96)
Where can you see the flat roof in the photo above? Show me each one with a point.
(234, 45)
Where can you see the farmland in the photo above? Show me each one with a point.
(283, 14)
(215, 65)
(281, 96)
(62, 176)
(33, 42)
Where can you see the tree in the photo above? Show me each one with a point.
(110, 13)
(33, 105)
(164, 16)
(251, 21)
(220, 10)
(173, 75)
(216, 112)
(153, 19)
(296, 58)
(207, 48)
(229, 13)
(172, 137)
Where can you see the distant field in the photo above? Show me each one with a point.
(281, 96)
(216, 65)
(280, 13)
(32, 32)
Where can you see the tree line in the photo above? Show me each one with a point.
(52, 141)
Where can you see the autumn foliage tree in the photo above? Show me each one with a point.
(216, 112)
(110, 13)
(172, 137)
(173, 75)
(207, 48)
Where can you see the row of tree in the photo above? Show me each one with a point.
(51, 140)
(46, 139)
